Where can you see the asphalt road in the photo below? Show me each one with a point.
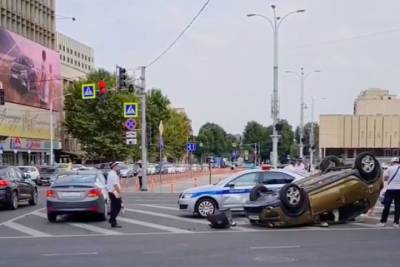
(154, 233)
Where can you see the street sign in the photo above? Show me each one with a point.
(130, 134)
(131, 141)
(88, 91)
(130, 124)
(130, 110)
(191, 147)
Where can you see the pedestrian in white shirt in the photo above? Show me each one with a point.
(300, 167)
(114, 193)
(392, 193)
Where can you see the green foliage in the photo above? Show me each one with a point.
(256, 133)
(213, 140)
(98, 123)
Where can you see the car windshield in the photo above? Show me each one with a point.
(24, 169)
(225, 180)
(76, 179)
(48, 170)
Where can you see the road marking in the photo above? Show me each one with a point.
(71, 254)
(155, 226)
(159, 207)
(89, 227)
(275, 247)
(25, 229)
(366, 225)
(21, 216)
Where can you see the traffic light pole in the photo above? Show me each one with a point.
(144, 148)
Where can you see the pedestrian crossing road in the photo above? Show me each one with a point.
(144, 214)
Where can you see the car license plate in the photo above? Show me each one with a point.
(70, 194)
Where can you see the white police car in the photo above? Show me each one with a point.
(232, 192)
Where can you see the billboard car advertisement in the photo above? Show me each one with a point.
(29, 72)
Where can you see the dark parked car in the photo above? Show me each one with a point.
(23, 74)
(337, 194)
(49, 174)
(80, 192)
(16, 187)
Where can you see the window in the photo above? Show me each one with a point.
(272, 177)
(248, 179)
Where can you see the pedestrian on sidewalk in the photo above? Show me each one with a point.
(392, 193)
(140, 174)
(114, 193)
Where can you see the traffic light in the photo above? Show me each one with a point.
(2, 97)
(122, 78)
(279, 126)
(102, 87)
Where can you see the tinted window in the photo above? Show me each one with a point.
(276, 178)
(75, 179)
(24, 169)
(49, 170)
(4, 173)
(246, 179)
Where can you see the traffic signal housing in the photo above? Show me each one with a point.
(122, 78)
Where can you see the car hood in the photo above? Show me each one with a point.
(202, 189)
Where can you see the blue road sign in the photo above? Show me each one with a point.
(130, 110)
(88, 91)
(191, 147)
(130, 124)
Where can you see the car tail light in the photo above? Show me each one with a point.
(94, 193)
(51, 194)
(4, 183)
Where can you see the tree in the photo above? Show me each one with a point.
(212, 137)
(286, 141)
(176, 134)
(98, 123)
(307, 131)
(255, 133)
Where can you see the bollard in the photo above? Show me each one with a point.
(172, 188)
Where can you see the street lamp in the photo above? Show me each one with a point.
(302, 76)
(275, 25)
(51, 126)
(312, 139)
(69, 18)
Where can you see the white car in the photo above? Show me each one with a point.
(32, 171)
(232, 192)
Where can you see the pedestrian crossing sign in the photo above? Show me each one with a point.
(130, 110)
(88, 91)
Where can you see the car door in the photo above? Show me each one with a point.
(101, 183)
(237, 191)
(24, 188)
(275, 180)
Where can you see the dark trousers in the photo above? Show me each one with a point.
(391, 195)
(140, 182)
(115, 208)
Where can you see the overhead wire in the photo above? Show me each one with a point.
(165, 51)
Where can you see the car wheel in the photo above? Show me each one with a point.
(257, 191)
(51, 217)
(13, 205)
(205, 206)
(368, 166)
(328, 163)
(293, 199)
(34, 198)
(103, 216)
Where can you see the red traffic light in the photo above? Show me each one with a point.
(103, 87)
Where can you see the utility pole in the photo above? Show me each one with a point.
(144, 148)
(312, 136)
(301, 112)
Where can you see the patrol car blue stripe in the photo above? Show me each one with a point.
(223, 192)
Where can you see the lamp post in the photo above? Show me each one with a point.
(275, 23)
(52, 128)
(312, 138)
(302, 76)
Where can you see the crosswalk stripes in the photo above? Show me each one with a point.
(159, 207)
(153, 225)
(26, 230)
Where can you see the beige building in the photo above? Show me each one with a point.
(32, 19)
(77, 60)
(374, 127)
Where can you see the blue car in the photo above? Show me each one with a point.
(232, 192)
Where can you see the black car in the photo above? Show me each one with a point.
(47, 175)
(16, 187)
(23, 75)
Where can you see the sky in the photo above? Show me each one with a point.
(221, 70)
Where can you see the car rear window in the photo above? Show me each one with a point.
(75, 179)
(24, 169)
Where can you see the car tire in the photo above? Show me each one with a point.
(368, 167)
(34, 198)
(52, 217)
(257, 191)
(103, 216)
(293, 199)
(329, 162)
(13, 204)
(205, 206)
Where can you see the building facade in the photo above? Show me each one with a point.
(32, 19)
(77, 60)
(374, 127)
(30, 77)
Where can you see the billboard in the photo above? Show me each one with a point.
(29, 72)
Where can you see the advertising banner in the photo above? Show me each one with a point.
(29, 72)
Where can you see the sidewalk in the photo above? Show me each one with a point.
(176, 183)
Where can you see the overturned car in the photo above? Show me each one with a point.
(338, 193)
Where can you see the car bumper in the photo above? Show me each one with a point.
(69, 207)
(186, 205)
(44, 181)
(4, 196)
